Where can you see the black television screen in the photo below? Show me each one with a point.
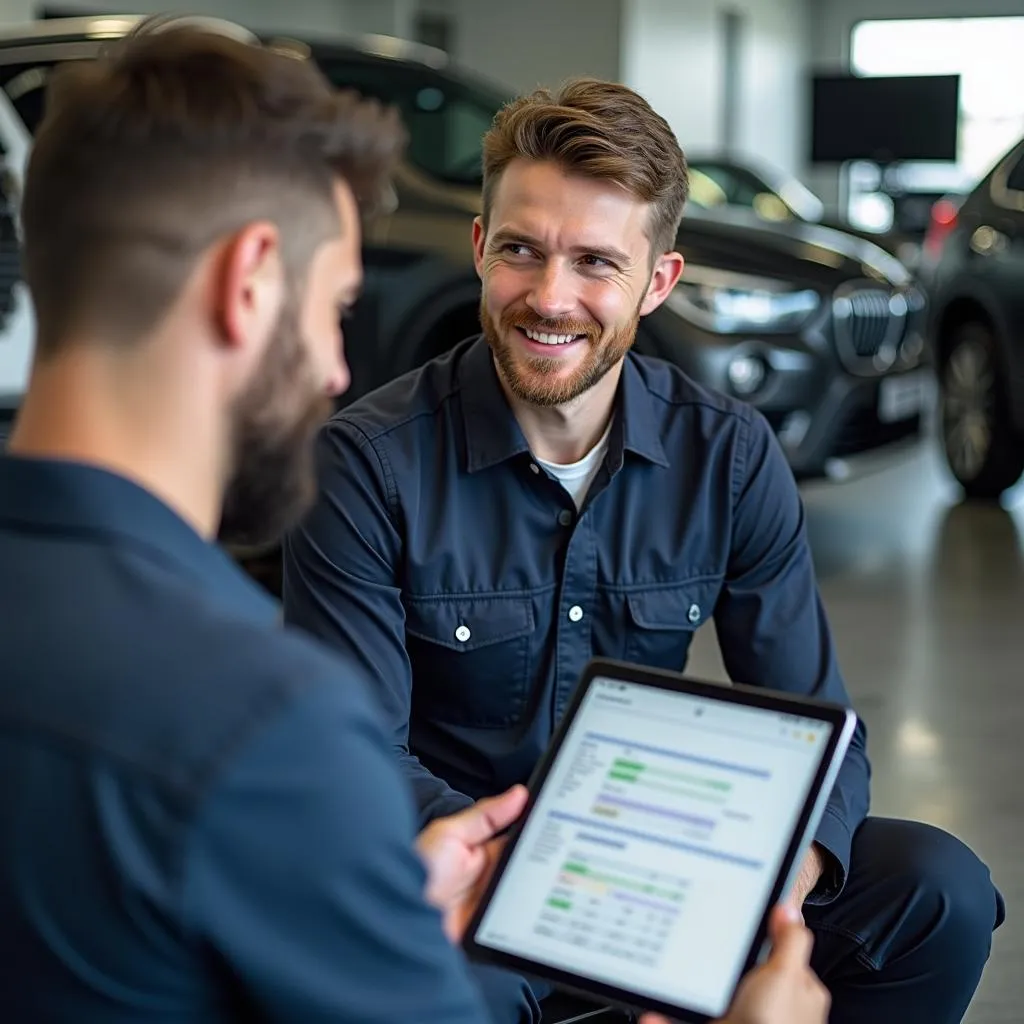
(884, 119)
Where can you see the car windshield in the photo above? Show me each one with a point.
(446, 116)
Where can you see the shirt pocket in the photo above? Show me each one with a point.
(662, 619)
(470, 658)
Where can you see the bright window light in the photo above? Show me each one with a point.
(986, 53)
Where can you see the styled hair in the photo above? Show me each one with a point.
(595, 129)
(176, 137)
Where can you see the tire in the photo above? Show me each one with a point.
(982, 449)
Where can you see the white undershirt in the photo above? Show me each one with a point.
(576, 477)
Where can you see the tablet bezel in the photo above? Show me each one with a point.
(842, 719)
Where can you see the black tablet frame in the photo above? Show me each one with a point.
(843, 721)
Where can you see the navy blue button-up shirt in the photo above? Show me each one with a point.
(459, 573)
(200, 816)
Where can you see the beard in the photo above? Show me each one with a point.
(275, 421)
(541, 381)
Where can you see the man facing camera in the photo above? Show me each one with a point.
(540, 495)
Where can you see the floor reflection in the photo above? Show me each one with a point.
(925, 595)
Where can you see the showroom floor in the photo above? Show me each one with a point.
(926, 600)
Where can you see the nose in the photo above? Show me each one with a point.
(553, 294)
(339, 377)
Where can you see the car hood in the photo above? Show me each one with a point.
(809, 255)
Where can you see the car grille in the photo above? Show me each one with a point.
(869, 324)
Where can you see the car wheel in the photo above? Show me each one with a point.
(982, 448)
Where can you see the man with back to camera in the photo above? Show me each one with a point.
(197, 823)
(541, 495)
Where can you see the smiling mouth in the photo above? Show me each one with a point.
(543, 338)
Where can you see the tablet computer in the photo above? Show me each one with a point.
(667, 818)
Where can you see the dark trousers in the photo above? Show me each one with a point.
(905, 942)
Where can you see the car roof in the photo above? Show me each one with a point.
(100, 28)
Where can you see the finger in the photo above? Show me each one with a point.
(791, 945)
(792, 908)
(783, 916)
(458, 919)
(478, 823)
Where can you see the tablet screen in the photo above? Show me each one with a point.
(655, 842)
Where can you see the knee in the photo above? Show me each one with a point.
(951, 884)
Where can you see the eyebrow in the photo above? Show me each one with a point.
(505, 236)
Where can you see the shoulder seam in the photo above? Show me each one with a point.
(383, 430)
(736, 411)
(387, 473)
(739, 468)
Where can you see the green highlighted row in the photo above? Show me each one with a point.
(560, 904)
(629, 771)
(573, 868)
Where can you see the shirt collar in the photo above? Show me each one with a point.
(637, 416)
(492, 432)
(75, 499)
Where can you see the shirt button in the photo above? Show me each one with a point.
(694, 613)
(565, 517)
(462, 634)
(575, 613)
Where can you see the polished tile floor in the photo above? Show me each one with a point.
(926, 600)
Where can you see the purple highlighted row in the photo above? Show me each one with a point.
(665, 908)
(665, 812)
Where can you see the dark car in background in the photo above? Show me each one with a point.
(719, 180)
(819, 330)
(975, 282)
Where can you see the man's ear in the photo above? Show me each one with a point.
(666, 273)
(250, 286)
(479, 242)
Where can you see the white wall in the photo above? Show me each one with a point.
(526, 43)
(298, 16)
(673, 53)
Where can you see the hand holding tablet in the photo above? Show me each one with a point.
(784, 990)
(665, 823)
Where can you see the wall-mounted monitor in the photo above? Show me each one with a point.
(884, 119)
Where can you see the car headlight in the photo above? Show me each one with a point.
(730, 303)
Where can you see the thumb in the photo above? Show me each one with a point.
(792, 942)
(479, 823)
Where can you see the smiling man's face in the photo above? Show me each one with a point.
(566, 270)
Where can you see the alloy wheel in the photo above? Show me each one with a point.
(969, 406)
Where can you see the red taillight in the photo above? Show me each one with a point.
(940, 227)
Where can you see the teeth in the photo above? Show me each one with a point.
(549, 339)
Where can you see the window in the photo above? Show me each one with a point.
(1015, 179)
(986, 53)
(446, 118)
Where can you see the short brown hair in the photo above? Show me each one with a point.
(173, 139)
(595, 129)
